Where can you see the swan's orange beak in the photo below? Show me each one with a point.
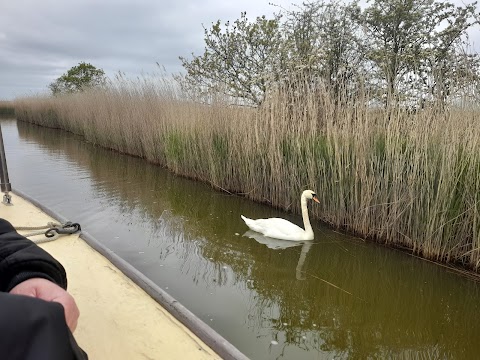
(315, 199)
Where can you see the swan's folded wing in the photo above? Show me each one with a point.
(278, 228)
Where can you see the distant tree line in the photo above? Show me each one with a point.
(400, 51)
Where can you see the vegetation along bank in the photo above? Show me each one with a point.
(380, 119)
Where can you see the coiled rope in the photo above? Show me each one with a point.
(53, 232)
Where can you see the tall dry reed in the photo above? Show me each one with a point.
(400, 177)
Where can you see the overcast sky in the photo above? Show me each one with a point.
(41, 40)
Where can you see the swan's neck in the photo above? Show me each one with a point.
(306, 219)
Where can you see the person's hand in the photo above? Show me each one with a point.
(47, 290)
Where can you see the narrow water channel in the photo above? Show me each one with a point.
(337, 297)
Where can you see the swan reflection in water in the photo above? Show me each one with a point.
(277, 244)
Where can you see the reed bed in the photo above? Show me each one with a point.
(6, 108)
(404, 178)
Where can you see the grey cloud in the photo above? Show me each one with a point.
(40, 40)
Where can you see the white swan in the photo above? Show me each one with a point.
(282, 229)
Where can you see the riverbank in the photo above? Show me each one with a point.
(409, 179)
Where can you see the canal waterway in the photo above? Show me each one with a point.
(336, 297)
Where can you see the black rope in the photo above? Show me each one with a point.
(66, 228)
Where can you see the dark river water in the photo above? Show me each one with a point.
(336, 297)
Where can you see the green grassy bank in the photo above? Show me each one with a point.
(402, 178)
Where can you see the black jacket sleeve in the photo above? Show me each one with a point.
(21, 259)
(34, 329)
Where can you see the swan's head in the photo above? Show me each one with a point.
(309, 194)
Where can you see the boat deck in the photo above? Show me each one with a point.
(118, 319)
